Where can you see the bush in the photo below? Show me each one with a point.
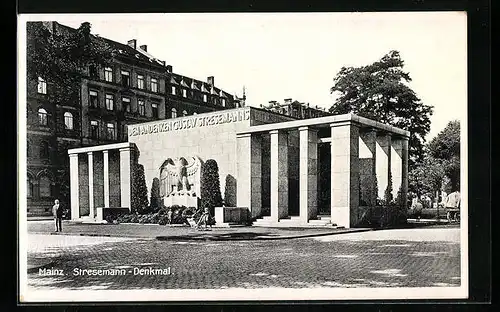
(139, 190)
(210, 186)
(166, 215)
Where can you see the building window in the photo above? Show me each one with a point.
(124, 132)
(126, 104)
(125, 78)
(45, 186)
(68, 121)
(174, 113)
(184, 113)
(44, 149)
(109, 101)
(29, 186)
(42, 117)
(154, 109)
(173, 90)
(93, 71)
(184, 92)
(108, 74)
(110, 131)
(140, 81)
(28, 149)
(94, 129)
(42, 86)
(142, 107)
(204, 98)
(93, 99)
(154, 85)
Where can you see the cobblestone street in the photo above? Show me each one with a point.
(389, 258)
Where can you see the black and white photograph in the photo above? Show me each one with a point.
(242, 156)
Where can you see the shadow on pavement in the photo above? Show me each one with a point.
(221, 237)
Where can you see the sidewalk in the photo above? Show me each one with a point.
(163, 232)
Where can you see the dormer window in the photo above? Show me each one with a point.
(173, 90)
(184, 92)
(224, 102)
(205, 98)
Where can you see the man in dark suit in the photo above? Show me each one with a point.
(57, 212)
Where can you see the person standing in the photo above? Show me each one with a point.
(57, 212)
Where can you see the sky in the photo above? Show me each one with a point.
(297, 55)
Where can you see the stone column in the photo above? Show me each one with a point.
(279, 175)
(73, 177)
(106, 177)
(396, 165)
(91, 184)
(404, 177)
(345, 174)
(367, 159)
(383, 163)
(125, 178)
(249, 193)
(308, 174)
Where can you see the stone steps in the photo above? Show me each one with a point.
(294, 221)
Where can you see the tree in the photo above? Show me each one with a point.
(139, 190)
(210, 186)
(446, 147)
(426, 177)
(155, 195)
(380, 92)
(62, 57)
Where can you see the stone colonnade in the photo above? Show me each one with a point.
(86, 176)
(382, 150)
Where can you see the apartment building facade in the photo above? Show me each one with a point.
(135, 88)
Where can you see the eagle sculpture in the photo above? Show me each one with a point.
(177, 175)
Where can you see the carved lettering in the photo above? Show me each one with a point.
(191, 122)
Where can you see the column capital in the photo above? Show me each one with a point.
(73, 155)
(89, 153)
(274, 131)
(105, 151)
(125, 149)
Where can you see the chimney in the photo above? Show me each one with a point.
(210, 81)
(144, 47)
(169, 68)
(288, 101)
(132, 43)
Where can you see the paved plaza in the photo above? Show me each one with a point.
(385, 258)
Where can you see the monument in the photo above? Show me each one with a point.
(268, 162)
